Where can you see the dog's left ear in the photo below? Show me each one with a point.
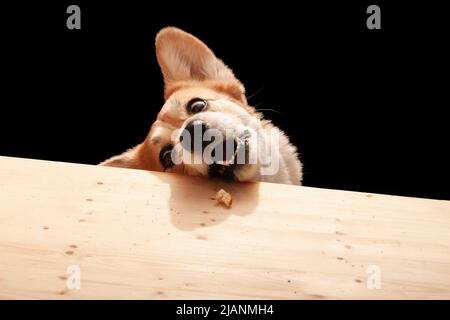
(183, 57)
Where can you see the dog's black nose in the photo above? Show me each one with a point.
(192, 135)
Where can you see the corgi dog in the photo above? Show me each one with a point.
(204, 98)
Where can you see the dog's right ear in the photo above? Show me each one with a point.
(127, 159)
(182, 57)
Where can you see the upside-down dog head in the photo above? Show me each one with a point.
(205, 101)
(201, 92)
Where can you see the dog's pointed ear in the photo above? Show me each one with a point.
(127, 159)
(182, 56)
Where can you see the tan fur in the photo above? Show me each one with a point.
(191, 70)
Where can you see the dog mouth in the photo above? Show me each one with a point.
(225, 168)
(216, 170)
(220, 152)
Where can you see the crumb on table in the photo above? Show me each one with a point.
(223, 197)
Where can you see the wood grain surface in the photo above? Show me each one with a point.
(145, 235)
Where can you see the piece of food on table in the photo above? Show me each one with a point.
(223, 197)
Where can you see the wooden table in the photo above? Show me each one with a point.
(132, 234)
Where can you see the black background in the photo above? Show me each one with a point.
(366, 108)
(292, 309)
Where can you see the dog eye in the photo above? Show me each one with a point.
(196, 105)
(165, 156)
